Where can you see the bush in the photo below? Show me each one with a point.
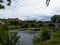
(45, 35)
(4, 28)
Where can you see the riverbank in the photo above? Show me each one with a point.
(53, 40)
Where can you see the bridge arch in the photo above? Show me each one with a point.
(41, 25)
(51, 25)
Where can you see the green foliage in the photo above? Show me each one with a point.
(44, 35)
(14, 27)
(55, 40)
(31, 21)
(1, 6)
(13, 39)
(3, 27)
(9, 2)
(13, 22)
(51, 42)
(25, 26)
(55, 18)
(47, 2)
(36, 40)
(2, 1)
(56, 35)
(8, 38)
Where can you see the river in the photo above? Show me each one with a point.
(26, 37)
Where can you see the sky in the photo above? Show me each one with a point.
(30, 9)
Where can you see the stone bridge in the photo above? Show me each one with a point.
(47, 24)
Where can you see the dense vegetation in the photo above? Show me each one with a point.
(55, 18)
(8, 38)
(47, 37)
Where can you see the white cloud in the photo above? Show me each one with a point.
(28, 9)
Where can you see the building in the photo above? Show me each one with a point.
(1, 22)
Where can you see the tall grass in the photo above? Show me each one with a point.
(8, 38)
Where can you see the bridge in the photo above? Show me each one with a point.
(47, 24)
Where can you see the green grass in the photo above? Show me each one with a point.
(0, 44)
(13, 27)
(55, 40)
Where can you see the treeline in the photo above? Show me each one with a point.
(30, 23)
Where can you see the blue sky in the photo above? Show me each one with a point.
(30, 9)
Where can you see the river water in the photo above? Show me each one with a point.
(26, 37)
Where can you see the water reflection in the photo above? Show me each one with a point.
(17, 38)
(26, 37)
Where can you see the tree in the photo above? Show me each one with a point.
(55, 18)
(9, 3)
(13, 22)
(47, 2)
(2, 6)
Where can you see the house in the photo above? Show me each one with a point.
(1, 22)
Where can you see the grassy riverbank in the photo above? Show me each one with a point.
(43, 40)
(13, 27)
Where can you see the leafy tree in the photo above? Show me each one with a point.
(55, 18)
(31, 21)
(2, 1)
(9, 3)
(44, 35)
(1, 6)
(47, 2)
(13, 22)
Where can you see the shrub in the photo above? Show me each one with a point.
(45, 35)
